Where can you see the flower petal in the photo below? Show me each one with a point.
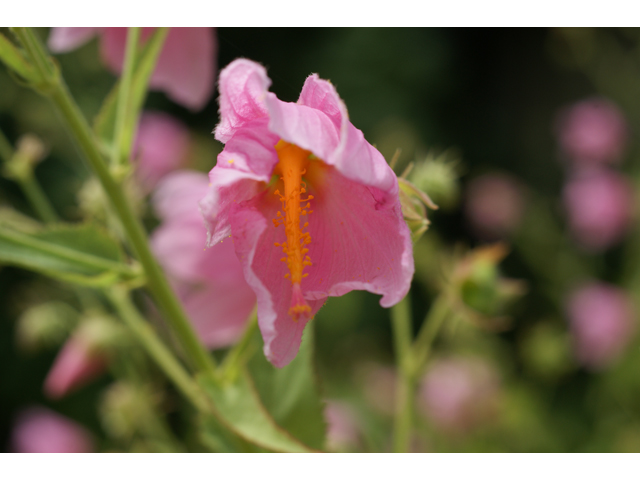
(247, 160)
(177, 195)
(186, 67)
(357, 243)
(243, 87)
(65, 39)
(253, 237)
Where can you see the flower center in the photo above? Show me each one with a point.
(291, 167)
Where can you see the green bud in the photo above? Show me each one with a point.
(438, 176)
(45, 325)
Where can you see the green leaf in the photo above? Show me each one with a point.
(238, 408)
(291, 394)
(82, 254)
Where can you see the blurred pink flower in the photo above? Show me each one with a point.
(342, 426)
(78, 362)
(599, 206)
(602, 321)
(39, 430)
(186, 67)
(494, 205)
(592, 132)
(210, 281)
(459, 393)
(161, 146)
(284, 161)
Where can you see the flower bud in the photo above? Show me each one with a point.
(39, 430)
(438, 176)
(84, 356)
(45, 325)
(124, 409)
(414, 202)
(29, 152)
(601, 318)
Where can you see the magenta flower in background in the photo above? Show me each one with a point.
(161, 146)
(494, 205)
(312, 208)
(601, 317)
(209, 282)
(186, 67)
(459, 393)
(592, 132)
(77, 363)
(39, 430)
(599, 205)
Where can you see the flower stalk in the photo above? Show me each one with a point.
(53, 85)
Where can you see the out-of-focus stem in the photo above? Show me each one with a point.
(401, 323)
(239, 348)
(119, 151)
(155, 348)
(430, 327)
(157, 282)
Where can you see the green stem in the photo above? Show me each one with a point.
(38, 200)
(236, 353)
(157, 282)
(430, 327)
(401, 323)
(155, 348)
(119, 152)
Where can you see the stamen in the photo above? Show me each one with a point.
(291, 168)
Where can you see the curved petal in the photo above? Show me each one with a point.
(177, 195)
(247, 160)
(254, 236)
(356, 243)
(220, 310)
(322, 95)
(303, 126)
(162, 144)
(65, 39)
(186, 67)
(243, 88)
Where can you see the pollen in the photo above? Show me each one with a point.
(292, 165)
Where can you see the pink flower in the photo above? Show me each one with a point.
(602, 321)
(209, 282)
(79, 362)
(162, 145)
(39, 430)
(592, 132)
(599, 204)
(186, 67)
(300, 179)
(342, 426)
(494, 205)
(458, 393)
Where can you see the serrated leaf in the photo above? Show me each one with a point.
(291, 394)
(82, 254)
(238, 407)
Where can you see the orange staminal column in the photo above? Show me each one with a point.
(291, 167)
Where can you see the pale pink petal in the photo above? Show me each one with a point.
(247, 161)
(112, 46)
(243, 88)
(177, 194)
(220, 310)
(75, 366)
(162, 145)
(314, 126)
(356, 243)
(39, 430)
(65, 39)
(186, 67)
(253, 237)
